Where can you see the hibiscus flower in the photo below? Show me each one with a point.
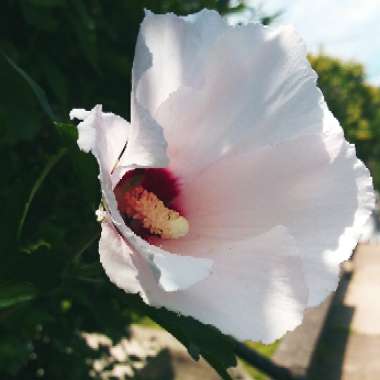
(232, 195)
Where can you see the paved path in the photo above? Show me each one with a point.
(297, 347)
(348, 344)
(152, 354)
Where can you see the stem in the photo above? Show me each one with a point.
(267, 366)
(37, 184)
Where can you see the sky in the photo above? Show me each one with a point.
(349, 29)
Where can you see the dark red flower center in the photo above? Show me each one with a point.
(148, 202)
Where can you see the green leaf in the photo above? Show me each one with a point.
(39, 181)
(38, 17)
(85, 29)
(15, 353)
(17, 95)
(68, 132)
(48, 3)
(35, 246)
(56, 79)
(198, 338)
(13, 294)
(38, 91)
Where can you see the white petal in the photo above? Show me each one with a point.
(172, 272)
(247, 97)
(181, 272)
(314, 185)
(105, 134)
(78, 113)
(169, 51)
(116, 258)
(250, 98)
(146, 144)
(256, 290)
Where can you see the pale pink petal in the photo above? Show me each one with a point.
(116, 258)
(105, 134)
(255, 291)
(170, 51)
(314, 185)
(172, 272)
(256, 97)
(146, 143)
(256, 88)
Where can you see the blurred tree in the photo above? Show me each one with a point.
(355, 103)
(52, 286)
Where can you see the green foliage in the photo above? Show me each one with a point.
(199, 339)
(13, 294)
(266, 350)
(355, 103)
(56, 55)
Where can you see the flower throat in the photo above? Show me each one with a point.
(146, 200)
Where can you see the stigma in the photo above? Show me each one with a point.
(145, 207)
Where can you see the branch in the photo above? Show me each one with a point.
(263, 364)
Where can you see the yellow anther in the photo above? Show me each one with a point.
(144, 206)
